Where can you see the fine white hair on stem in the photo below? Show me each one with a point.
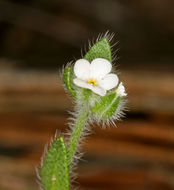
(86, 131)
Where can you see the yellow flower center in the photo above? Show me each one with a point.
(93, 82)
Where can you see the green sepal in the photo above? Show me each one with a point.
(55, 171)
(106, 106)
(100, 49)
(67, 81)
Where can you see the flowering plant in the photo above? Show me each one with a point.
(98, 97)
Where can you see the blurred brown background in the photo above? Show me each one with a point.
(37, 37)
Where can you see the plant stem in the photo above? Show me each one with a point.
(76, 133)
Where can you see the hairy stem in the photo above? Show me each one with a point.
(77, 133)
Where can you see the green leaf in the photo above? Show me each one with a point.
(101, 49)
(55, 172)
(67, 81)
(107, 106)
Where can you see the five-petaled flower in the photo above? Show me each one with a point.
(95, 76)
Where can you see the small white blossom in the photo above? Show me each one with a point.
(95, 76)
(121, 90)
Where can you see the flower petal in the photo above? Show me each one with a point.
(110, 81)
(99, 68)
(96, 89)
(82, 69)
(81, 83)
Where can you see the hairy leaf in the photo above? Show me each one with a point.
(55, 172)
(107, 106)
(101, 49)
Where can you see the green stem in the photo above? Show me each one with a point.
(77, 132)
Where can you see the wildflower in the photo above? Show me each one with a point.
(95, 76)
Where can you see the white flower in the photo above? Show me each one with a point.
(95, 75)
(121, 90)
